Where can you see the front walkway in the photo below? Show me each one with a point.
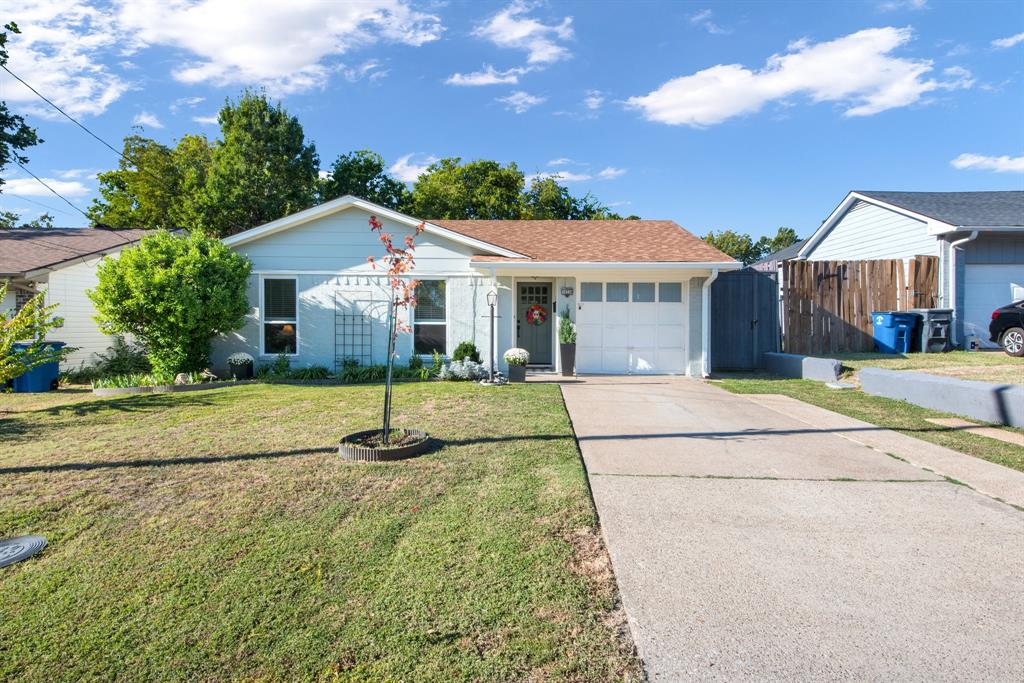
(749, 543)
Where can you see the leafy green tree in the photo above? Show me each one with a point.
(783, 238)
(261, 169)
(738, 245)
(143, 190)
(192, 159)
(363, 174)
(9, 219)
(15, 135)
(29, 324)
(474, 190)
(174, 295)
(546, 198)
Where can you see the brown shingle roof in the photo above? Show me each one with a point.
(23, 250)
(589, 241)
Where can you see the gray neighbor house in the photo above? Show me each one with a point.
(978, 238)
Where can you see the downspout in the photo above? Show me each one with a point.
(705, 324)
(951, 267)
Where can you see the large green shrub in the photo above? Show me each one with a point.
(174, 294)
(466, 351)
(29, 325)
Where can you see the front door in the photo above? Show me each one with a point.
(534, 319)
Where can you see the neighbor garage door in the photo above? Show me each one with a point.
(631, 327)
(986, 288)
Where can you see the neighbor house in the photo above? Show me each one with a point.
(978, 238)
(62, 262)
(638, 290)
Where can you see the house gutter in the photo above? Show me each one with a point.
(952, 283)
(705, 324)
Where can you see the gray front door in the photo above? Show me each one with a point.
(535, 338)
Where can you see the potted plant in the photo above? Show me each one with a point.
(240, 364)
(567, 345)
(517, 360)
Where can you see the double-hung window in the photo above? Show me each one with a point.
(430, 322)
(280, 319)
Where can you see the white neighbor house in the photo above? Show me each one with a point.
(978, 237)
(638, 290)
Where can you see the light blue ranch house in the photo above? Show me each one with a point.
(638, 290)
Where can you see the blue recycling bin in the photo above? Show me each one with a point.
(40, 378)
(893, 330)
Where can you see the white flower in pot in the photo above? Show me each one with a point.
(517, 360)
(241, 365)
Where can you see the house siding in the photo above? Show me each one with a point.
(694, 291)
(868, 232)
(67, 288)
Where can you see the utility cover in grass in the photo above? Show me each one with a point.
(20, 548)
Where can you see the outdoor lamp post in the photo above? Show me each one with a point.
(492, 300)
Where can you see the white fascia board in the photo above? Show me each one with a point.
(983, 228)
(605, 265)
(348, 201)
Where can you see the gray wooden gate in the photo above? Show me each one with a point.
(744, 319)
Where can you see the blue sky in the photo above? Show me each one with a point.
(744, 115)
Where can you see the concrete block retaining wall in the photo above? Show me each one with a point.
(802, 367)
(996, 403)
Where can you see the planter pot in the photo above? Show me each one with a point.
(356, 453)
(516, 373)
(568, 353)
(241, 371)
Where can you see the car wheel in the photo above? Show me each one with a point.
(1013, 341)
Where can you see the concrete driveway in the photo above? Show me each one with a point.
(750, 544)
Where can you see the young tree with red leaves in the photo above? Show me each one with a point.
(399, 263)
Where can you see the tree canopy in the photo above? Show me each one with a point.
(15, 135)
(362, 173)
(474, 190)
(745, 249)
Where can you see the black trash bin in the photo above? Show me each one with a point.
(932, 332)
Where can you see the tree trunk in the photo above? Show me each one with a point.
(392, 315)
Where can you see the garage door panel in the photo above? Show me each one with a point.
(589, 336)
(671, 360)
(986, 288)
(643, 362)
(616, 336)
(643, 314)
(615, 361)
(589, 360)
(670, 336)
(671, 314)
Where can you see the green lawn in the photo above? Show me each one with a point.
(217, 535)
(985, 366)
(884, 412)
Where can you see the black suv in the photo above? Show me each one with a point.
(1007, 328)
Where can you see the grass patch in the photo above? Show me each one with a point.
(216, 536)
(899, 416)
(985, 366)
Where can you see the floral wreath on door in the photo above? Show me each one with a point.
(536, 315)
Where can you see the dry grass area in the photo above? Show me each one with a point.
(985, 366)
(218, 536)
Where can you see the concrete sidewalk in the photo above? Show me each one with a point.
(750, 542)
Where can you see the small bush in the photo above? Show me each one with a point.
(436, 365)
(313, 372)
(415, 362)
(146, 379)
(378, 373)
(121, 358)
(466, 351)
(464, 370)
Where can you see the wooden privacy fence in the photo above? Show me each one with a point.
(827, 305)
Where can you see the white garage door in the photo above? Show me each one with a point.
(986, 288)
(631, 327)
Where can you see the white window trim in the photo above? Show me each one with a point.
(263, 321)
(446, 322)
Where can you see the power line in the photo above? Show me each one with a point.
(33, 201)
(41, 182)
(73, 120)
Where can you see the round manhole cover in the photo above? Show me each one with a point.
(21, 548)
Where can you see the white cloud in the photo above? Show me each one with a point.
(610, 172)
(323, 175)
(562, 161)
(856, 71)
(980, 162)
(210, 120)
(488, 76)
(1009, 41)
(147, 119)
(183, 102)
(285, 47)
(371, 70)
(594, 99)
(30, 187)
(703, 19)
(896, 5)
(521, 101)
(407, 171)
(59, 52)
(511, 28)
(71, 173)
